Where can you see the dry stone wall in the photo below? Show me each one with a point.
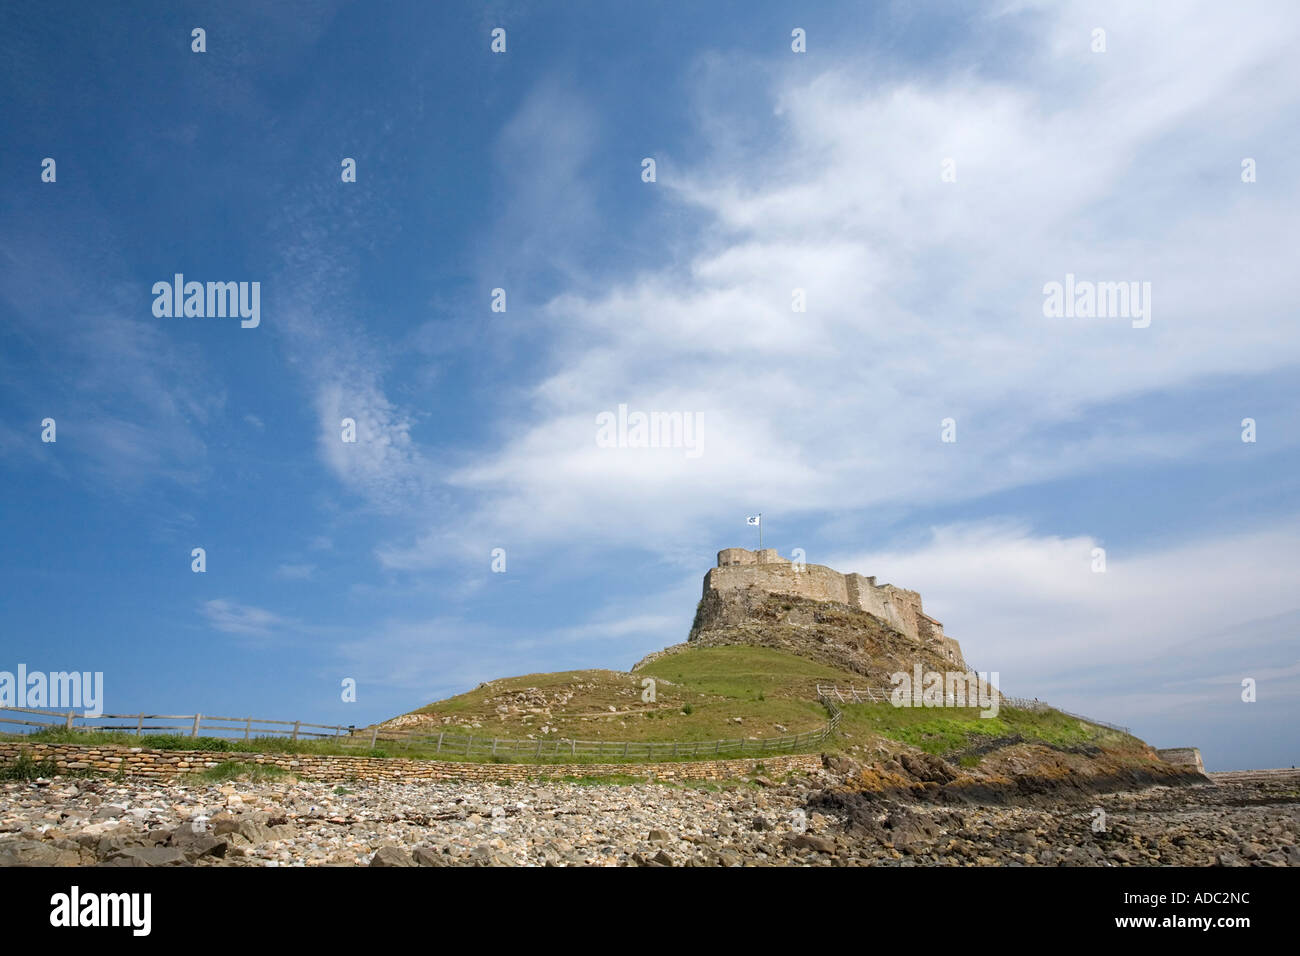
(143, 762)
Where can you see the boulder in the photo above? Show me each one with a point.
(147, 856)
(391, 856)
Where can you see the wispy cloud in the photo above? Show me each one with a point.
(296, 572)
(924, 297)
(245, 619)
(130, 400)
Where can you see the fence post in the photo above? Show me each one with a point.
(139, 725)
(195, 731)
(374, 735)
(439, 750)
(296, 725)
(68, 725)
(248, 727)
(494, 746)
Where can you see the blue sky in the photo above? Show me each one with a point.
(476, 429)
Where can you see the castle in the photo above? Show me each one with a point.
(767, 571)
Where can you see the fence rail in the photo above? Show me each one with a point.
(471, 745)
(450, 744)
(875, 695)
(195, 725)
(884, 695)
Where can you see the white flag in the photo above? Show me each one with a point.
(753, 519)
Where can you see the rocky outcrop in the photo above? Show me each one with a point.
(768, 572)
(1183, 757)
(828, 632)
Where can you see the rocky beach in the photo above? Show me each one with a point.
(1248, 819)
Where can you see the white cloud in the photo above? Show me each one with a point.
(296, 572)
(925, 297)
(244, 619)
(1030, 607)
(383, 464)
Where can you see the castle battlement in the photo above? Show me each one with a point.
(767, 571)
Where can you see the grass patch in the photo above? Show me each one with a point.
(25, 768)
(240, 770)
(950, 730)
(698, 694)
(238, 745)
(610, 780)
(628, 780)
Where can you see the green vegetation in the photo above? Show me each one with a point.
(698, 694)
(952, 731)
(326, 746)
(239, 770)
(733, 693)
(25, 768)
(608, 780)
(625, 780)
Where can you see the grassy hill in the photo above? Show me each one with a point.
(751, 673)
(700, 694)
(727, 692)
(709, 693)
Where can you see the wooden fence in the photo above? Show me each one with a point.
(884, 695)
(192, 725)
(471, 745)
(449, 744)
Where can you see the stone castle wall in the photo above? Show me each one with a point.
(766, 570)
